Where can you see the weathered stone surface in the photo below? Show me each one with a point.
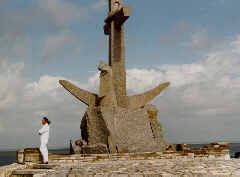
(129, 129)
(178, 147)
(29, 172)
(32, 155)
(121, 165)
(6, 171)
(93, 128)
(156, 126)
(212, 161)
(85, 96)
(112, 145)
(76, 147)
(20, 156)
(117, 54)
(98, 148)
(107, 96)
(45, 166)
(159, 168)
(138, 101)
(119, 15)
(94, 149)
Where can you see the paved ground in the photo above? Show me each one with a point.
(145, 165)
(145, 168)
(159, 167)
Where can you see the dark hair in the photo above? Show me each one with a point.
(46, 119)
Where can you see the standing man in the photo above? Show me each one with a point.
(44, 136)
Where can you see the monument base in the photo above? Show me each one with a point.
(120, 130)
(212, 160)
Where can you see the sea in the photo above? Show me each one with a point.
(9, 157)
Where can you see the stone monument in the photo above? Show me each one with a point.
(113, 121)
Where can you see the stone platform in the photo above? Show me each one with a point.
(138, 168)
(155, 167)
(179, 160)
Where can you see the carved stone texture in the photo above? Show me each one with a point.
(107, 95)
(129, 130)
(98, 148)
(156, 126)
(120, 15)
(76, 147)
(93, 128)
(138, 101)
(83, 148)
(86, 97)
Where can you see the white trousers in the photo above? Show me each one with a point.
(44, 151)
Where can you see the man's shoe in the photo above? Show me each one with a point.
(44, 163)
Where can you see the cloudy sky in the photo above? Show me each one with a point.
(193, 44)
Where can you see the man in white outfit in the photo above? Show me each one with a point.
(44, 136)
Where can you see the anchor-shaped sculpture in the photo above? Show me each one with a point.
(112, 91)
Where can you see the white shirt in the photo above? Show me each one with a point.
(44, 133)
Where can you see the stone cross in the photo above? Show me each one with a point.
(114, 27)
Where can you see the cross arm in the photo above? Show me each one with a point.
(86, 97)
(119, 16)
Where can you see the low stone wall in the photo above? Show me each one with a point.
(77, 158)
(218, 151)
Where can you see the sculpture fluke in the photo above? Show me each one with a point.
(138, 101)
(84, 96)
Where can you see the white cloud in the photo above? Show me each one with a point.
(92, 84)
(47, 85)
(139, 80)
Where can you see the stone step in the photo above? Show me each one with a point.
(45, 166)
(29, 172)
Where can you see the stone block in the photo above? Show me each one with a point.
(32, 155)
(156, 126)
(94, 149)
(20, 156)
(93, 128)
(44, 166)
(130, 129)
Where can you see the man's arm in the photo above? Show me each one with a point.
(43, 130)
